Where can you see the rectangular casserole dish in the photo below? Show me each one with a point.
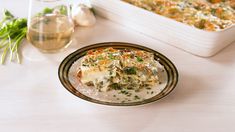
(198, 42)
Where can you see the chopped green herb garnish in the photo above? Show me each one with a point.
(129, 94)
(137, 97)
(213, 11)
(139, 59)
(116, 86)
(111, 56)
(124, 92)
(84, 65)
(130, 70)
(100, 58)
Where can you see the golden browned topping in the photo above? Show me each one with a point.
(211, 15)
(110, 68)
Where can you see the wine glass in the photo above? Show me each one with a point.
(50, 26)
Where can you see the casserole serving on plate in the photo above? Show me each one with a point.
(118, 74)
(208, 30)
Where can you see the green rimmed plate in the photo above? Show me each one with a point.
(68, 77)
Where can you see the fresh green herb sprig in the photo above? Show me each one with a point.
(62, 9)
(7, 16)
(12, 32)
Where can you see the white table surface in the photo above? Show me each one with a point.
(33, 100)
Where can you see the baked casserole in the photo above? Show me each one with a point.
(209, 15)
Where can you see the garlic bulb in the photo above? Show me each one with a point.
(83, 16)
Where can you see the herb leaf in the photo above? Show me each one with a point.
(115, 86)
(47, 11)
(139, 59)
(130, 70)
(111, 56)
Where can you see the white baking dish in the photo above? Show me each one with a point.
(196, 41)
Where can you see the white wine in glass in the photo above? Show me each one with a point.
(50, 29)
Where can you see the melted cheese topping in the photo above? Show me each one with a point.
(109, 68)
(211, 15)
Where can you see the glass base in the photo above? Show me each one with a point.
(52, 51)
(33, 54)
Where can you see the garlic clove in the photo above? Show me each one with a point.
(83, 16)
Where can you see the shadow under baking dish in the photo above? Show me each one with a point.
(68, 77)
